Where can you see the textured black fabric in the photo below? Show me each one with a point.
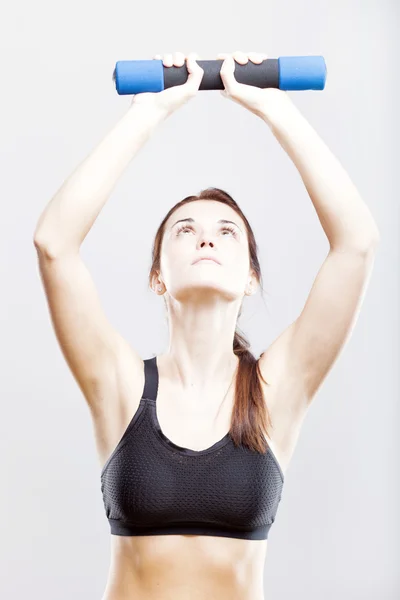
(152, 486)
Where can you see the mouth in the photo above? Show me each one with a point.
(206, 260)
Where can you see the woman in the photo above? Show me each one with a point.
(190, 505)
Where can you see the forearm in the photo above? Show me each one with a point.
(343, 214)
(70, 214)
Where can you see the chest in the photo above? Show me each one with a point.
(201, 421)
(151, 483)
(194, 421)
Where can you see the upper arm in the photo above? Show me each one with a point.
(92, 348)
(308, 348)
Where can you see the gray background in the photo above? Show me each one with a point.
(336, 534)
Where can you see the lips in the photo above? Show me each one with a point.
(206, 258)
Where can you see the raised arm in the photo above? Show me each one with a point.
(94, 351)
(308, 348)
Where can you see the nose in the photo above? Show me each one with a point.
(204, 243)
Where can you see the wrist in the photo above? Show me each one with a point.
(147, 102)
(277, 109)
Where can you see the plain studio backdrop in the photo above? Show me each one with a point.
(337, 530)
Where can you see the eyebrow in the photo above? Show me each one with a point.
(190, 220)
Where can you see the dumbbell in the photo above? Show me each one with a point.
(286, 73)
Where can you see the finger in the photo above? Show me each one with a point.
(195, 71)
(192, 57)
(255, 58)
(227, 75)
(157, 57)
(227, 70)
(240, 57)
(168, 60)
(179, 59)
(228, 66)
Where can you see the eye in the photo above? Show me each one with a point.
(231, 229)
(182, 227)
(225, 228)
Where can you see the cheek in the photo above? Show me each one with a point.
(241, 256)
(174, 257)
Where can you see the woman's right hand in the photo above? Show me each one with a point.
(174, 97)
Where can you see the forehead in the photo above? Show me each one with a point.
(206, 212)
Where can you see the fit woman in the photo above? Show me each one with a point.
(194, 443)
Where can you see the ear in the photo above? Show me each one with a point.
(155, 282)
(253, 281)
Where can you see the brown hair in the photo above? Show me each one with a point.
(250, 416)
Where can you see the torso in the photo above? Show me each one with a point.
(179, 567)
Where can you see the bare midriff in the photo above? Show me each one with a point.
(179, 567)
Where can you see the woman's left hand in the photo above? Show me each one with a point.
(258, 100)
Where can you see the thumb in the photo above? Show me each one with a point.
(227, 73)
(195, 71)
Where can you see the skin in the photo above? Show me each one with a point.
(195, 400)
(203, 299)
(195, 396)
(194, 375)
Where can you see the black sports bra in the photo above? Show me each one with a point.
(151, 486)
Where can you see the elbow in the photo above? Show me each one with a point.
(51, 249)
(40, 241)
(365, 244)
(46, 247)
(371, 241)
(43, 249)
(370, 237)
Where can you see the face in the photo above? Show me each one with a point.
(206, 234)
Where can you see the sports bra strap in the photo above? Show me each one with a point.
(150, 378)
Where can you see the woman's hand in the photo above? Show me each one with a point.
(174, 97)
(258, 100)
